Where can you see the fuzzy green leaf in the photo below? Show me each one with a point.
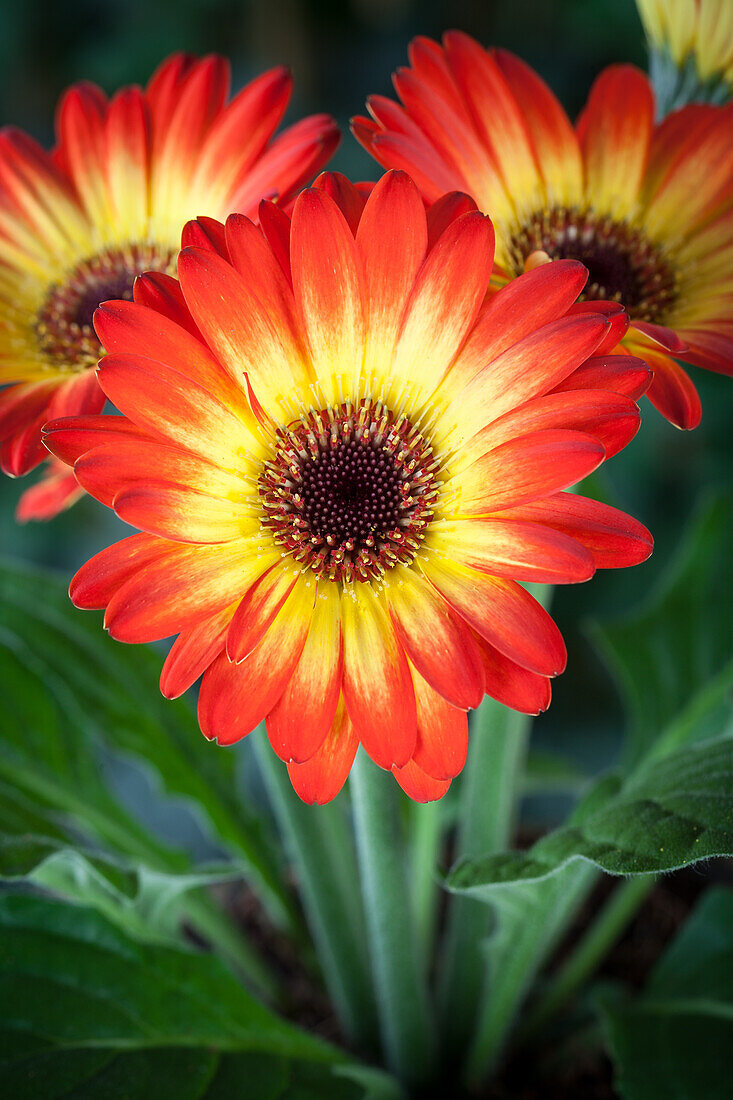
(665, 817)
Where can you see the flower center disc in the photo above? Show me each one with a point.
(64, 327)
(350, 491)
(623, 266)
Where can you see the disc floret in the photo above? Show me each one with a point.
(350, 490)
(64, 325)
(623, 265)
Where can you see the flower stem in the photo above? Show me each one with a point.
(487, 815)
(319, 844)
(526, 946)
(591, 950)
(399, 967)
(488, 805)
(426, 823)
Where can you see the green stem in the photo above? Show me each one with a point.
(398, 966)
(532, 937)
(486, 815)
(591, 950)
(320, 847)
(426, 822)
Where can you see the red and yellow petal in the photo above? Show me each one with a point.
(80, 128)
(418, 785)
(443, 305)
(320, 778)
(72, 436)
(620, 374)
(234, 698)
(251, 338)
(614, 539)
(510, 548)
(515, 312)
(93, 585)
(180, 586)
(673, 392)
(503, 613)
(257, 611)
(192, 653)
(614, 131)
(534, 365)
(172, 407)
(510, 684)
(553, 139)
(610, 418)
(303, 716)
(394, 213)
(56, 491)
(525, 468)
(377, 685)
(498, 117)
(104, 471)
(442, 732)
(328, 285)
(435, 639)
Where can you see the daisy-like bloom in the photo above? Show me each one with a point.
(648, 209)
(79, 224)
(697, 33)
(343, 459)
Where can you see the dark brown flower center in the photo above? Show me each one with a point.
(350, 491)
(623, 266)
(64, 326)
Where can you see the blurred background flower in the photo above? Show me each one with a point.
(341, 51)
(691, 42)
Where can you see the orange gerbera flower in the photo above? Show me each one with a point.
(77, 225)
(648, 209)
(344, 459)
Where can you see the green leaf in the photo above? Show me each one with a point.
(145, 903)
(675, 1039)
(88, 1012)
(672, 659)
(666, 817)
(74, 687)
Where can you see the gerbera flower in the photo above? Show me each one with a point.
(79, 224)
(695, 34)
(648, 209)
(343, 460)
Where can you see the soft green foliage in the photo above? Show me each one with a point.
(149, 904)
(672, 658)
(88, 1011)
(675, 1039)
(68, 690)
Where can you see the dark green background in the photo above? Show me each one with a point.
(340, 52)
